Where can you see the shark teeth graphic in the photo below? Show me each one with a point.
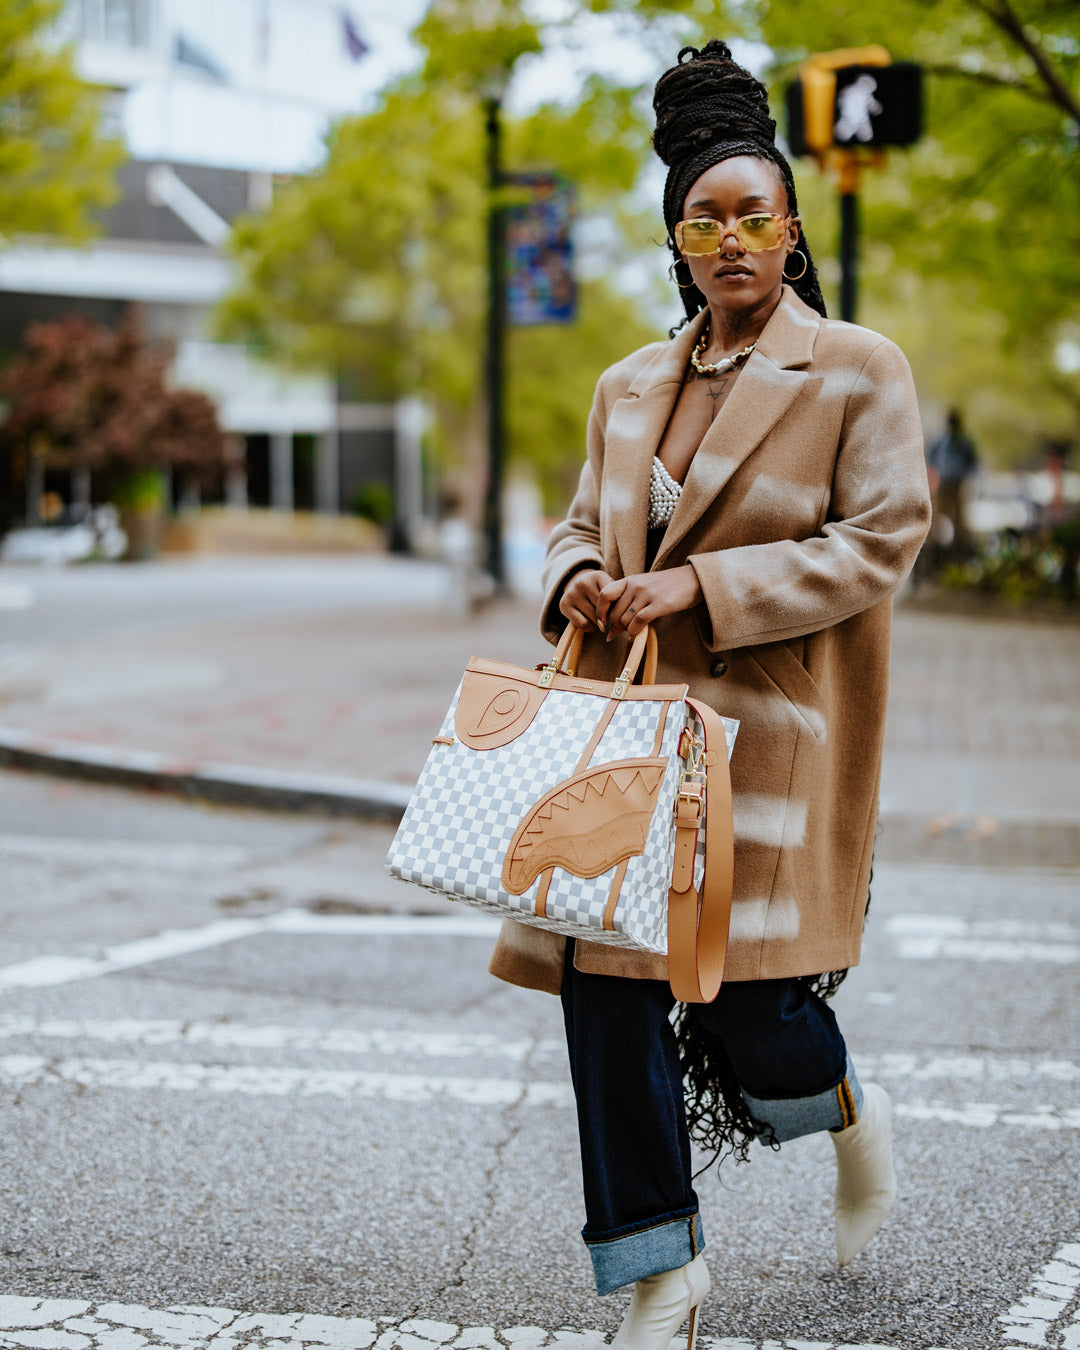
(586, 824)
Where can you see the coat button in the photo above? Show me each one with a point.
(718, 668)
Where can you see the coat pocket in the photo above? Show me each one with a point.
(783, 669)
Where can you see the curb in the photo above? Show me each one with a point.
(978, 841)
(231, 784)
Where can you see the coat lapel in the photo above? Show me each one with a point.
(635, 427)
(769, 383)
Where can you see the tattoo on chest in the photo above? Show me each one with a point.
(716, 386)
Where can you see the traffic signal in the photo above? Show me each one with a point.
(867, 103)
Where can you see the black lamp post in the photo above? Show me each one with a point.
(495, 361)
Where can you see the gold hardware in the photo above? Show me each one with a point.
(547, 675)
(622, 683)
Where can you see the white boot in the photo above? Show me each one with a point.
(660, 1305)
(865, 1180)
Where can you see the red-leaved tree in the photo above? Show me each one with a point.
(85, 396)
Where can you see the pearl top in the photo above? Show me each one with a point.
(664, 494)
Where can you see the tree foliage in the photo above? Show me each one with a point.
(55, 170)
(971, 239)
(376, 266)
(85, 396)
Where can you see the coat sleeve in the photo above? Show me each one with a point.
(878, 517)
(575, 542)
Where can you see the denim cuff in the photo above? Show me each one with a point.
(789, 1117)
(628, 1254)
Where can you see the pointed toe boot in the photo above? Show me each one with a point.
(865, 1180)
(660, 1305)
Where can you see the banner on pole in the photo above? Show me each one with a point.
(540, 282)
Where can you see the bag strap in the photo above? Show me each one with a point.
(568, 652)
(698, 924)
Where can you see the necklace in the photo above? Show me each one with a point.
(725, 363)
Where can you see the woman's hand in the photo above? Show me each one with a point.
(627, 605)
(580, 597)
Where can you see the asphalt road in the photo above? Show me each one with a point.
(239, 1081)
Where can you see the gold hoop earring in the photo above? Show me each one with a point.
(681, 285)
(805, 265)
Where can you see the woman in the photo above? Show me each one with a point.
(754, 489)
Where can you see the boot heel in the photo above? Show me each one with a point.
(691, 1334)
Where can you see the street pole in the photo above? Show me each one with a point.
(495, 365)
(849, 235)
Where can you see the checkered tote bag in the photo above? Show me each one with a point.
(598, 811)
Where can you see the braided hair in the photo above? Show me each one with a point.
(708, 109)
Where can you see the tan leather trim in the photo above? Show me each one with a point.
(587, 823)
(540, 906)
(687, 824)
(661, 723)
(594, 740)
(698, 933)
(442, 740)
(670, 693)
(613, 895)
(494, 709)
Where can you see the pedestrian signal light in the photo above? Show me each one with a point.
(854, 97)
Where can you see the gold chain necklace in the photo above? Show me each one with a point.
(724, 364)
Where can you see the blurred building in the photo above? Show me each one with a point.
(216, 100)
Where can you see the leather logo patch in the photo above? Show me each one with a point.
(586, 824)
(493, 711)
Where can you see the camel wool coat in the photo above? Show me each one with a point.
(801, 513)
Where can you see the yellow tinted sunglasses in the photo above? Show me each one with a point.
(756, 234)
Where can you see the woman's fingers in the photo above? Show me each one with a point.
(607, 592)
(580, 596)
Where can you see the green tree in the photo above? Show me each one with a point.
(375, 267)
(55, 170)
(971, 240)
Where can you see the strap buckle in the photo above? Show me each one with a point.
(690, 801)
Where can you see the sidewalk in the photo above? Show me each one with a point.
(336, 711)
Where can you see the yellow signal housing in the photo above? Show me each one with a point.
(818, 78)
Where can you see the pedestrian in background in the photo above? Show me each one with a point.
(755, 489)
(951, 460)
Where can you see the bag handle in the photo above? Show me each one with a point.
(698, 923)
(568, 653)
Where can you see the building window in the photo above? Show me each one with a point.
(116, 23)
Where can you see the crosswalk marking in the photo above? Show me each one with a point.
(398, 1042)
(919, 937)
(70, 1324)
(948, 937)
(1042, 1314)
(47, 971)
(277, 1081)
(28, 1070)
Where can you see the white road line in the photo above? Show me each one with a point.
(437, 1044)
(948, 937)
(28, 1070)
(45, 971)
(71, 1324)
(1042, 1314)
(230, 1035)
(276, 1081)
(969, 1068)
(981, 1115)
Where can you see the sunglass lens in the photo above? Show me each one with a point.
(698, 237)
(759, 232)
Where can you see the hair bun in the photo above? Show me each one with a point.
(706, 98)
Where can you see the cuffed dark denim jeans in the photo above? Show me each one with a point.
(640, 1206)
